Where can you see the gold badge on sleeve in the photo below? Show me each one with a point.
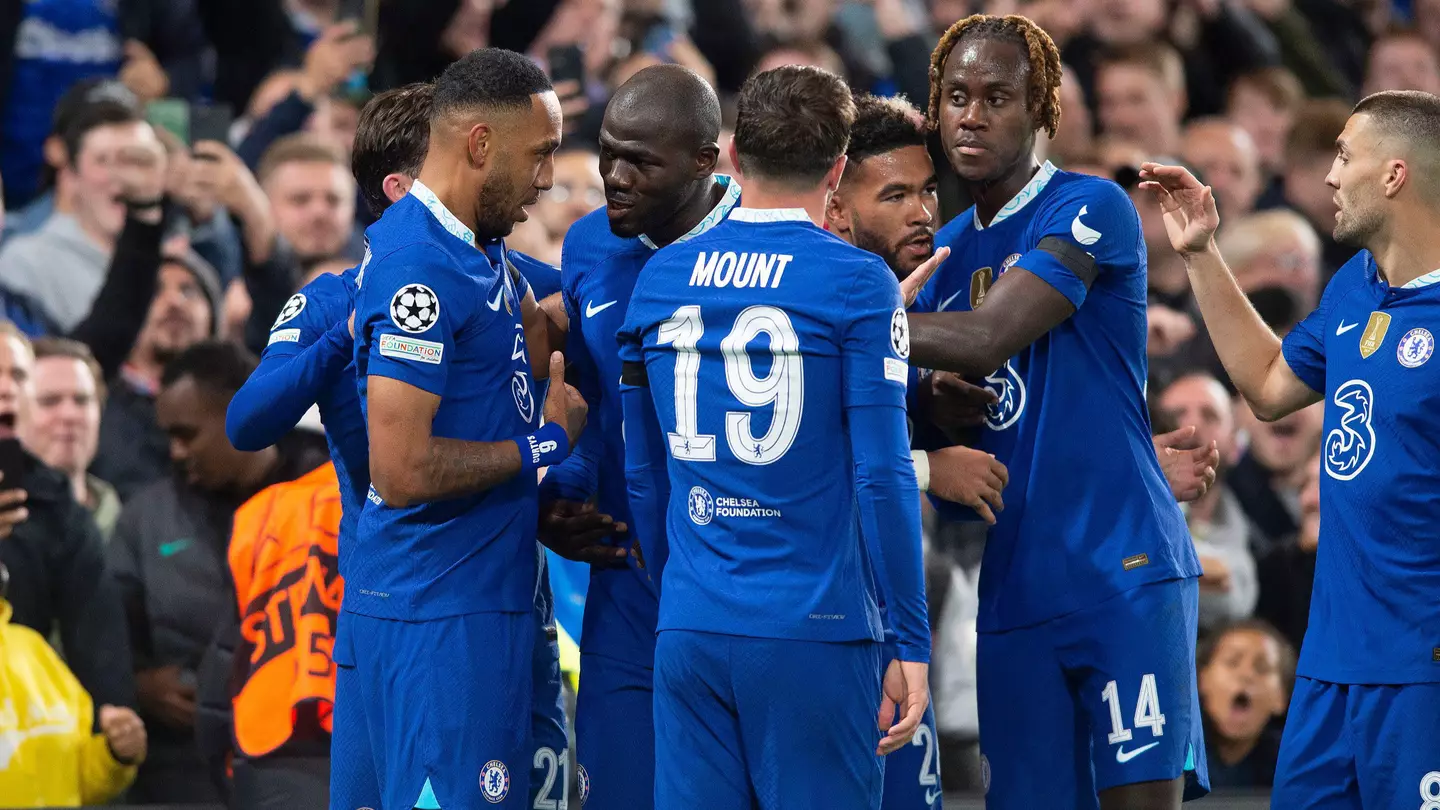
(980, 282)
(1374, 334)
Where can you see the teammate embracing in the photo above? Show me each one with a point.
(1088, 586)
(1361, 730)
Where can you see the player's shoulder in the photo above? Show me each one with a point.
(589, 243)
(955, 228)
(543, 277)
(1100, 195)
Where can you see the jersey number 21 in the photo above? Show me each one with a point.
(783, 387)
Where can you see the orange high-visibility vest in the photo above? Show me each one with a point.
(283, 556)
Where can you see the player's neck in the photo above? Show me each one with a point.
(760, 193)
(690, 213)
(991, 195)
(449, 184)
(1410, 249)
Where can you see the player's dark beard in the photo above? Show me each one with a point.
(877, 244)
(495, 217)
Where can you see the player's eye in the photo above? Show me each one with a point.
(895, 198)
(996, 101)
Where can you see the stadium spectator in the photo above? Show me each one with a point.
(1309, 153)
(51, 756)
(1224, 154)
(1140, 96)
(168, 556)
(1074, 139)
(1275, 249)
(311, 194)
(1223, 534)
(54, 552)
(1287, 574)
(1270, 475)
(1247, 670)
(577, 191)
(133, 449)
(1264, 104)
(62, 265)
(64, 429)
(1402, 60)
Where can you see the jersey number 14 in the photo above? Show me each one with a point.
(783, 387)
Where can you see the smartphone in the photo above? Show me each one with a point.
(171, 115)
(14, 465)
(567, 64)
(210, 122)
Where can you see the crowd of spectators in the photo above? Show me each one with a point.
(173, 170)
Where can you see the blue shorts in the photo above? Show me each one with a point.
(353, 779)
(912, 774)
(615, 734)
(446, 709)
(1110, 690)
(744, 723)
(1351, 747)
(550, 766)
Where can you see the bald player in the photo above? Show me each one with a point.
(1361, 727)
(657, 159)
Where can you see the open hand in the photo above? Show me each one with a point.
(577, 531)
(1191, 218)
(907, 688)
(1189, 467)
(915, 282)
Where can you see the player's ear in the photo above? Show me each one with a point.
(396, 186)
(837, 216)
(734, 156)
(705, 159)
(480, 143)
(832, 177)
(1397, 174)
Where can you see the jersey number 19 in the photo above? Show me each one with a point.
(783, 387)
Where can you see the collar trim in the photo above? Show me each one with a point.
(443, 215)
(1031, 190)
(722, 209)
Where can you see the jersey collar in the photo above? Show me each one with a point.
(1426, 280)
(1031, 190)
(437, 209)
(771, 215)
(728, 201)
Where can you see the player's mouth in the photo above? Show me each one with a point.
(619, 205)
(7, 424)
(921, 246)
(971, 147)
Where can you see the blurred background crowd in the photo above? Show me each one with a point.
(173, 170)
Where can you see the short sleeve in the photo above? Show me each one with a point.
(1304, 346)
(409, 311)
(1087, 228)
(875, 342)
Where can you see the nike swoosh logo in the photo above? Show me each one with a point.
(1122, 756)
(946, 302)
(591, 310)
(931, 796)
(495, 305)
(174, 547)
(1345, 327)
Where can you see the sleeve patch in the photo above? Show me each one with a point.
(403, 348)
(1074, 259)
(896, 371)
(415, 308)
(292, 308)
(284, 336)
(900, 334)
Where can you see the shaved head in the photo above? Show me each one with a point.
(1408, 125)
(674, 102)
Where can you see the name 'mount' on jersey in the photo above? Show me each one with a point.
(755, 338)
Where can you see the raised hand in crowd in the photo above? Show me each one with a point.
(339, 52)
(142, 73)
(141, 174)
(1167, 330)
(124, 733)
(221, 175)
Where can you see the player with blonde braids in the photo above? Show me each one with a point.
(1089, 594)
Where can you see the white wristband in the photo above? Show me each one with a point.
(922, 468)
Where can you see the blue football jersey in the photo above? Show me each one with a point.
(758, 338)
(305, 318)
(435, 313)
(1375, 612)
(599, 274)
(1088, 513)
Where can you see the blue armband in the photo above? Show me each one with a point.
(546, 446)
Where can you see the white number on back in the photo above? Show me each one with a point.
(783, 387)
(555, 769)
(1147, 710)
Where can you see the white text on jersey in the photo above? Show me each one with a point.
(729, 269)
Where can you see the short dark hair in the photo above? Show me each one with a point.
(301, 147)
(884, 125)
(392, 136)
(93, 117)
(218, 366)
(75, 350)
(1413, 117)
(488, 77)
(792, 123)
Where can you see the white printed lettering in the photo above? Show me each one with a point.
(704, 271)
(726, 270)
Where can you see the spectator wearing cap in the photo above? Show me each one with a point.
(54, 552)
(46, 46)
(169, 556)
(133, 450)
(63, 264)
(64, 428)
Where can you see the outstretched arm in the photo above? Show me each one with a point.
(284, 386)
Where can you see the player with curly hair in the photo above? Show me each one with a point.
(1089, 585)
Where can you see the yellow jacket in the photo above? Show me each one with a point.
(48, 755)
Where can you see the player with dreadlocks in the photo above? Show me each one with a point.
(1089, 584)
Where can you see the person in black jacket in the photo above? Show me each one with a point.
(54, 551)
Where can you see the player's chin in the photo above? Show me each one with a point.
(623, 222)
